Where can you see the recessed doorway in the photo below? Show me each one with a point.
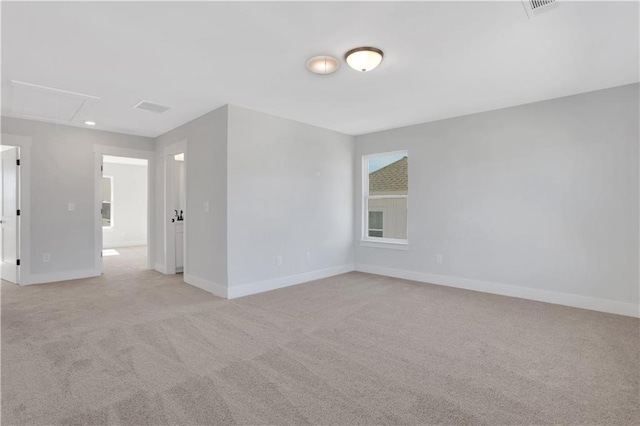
(124, 212)
(123, 220)
(10, 207)
(176, 222)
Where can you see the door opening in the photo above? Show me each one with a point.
(176, 215)
(124, 210)
(10, 221)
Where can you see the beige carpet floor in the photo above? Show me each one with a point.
(139, 348)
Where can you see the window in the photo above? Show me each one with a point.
(385, 196)
(107, 201)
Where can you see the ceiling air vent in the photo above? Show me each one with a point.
(533, 7)
(151, 106)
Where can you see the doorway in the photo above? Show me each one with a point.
(123, 204)
(10, 221)
(124, 209)
(176, 215)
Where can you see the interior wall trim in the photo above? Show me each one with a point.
(276, 283)
(566, 299)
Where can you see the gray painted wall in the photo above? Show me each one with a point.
(62, 171)
(540, 196)
(206, 181)
(289, 194)
(543, 196)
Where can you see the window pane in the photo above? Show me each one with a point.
(375, 220)
(388, 175)
(388, 218)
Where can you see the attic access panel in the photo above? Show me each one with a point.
(48, 103)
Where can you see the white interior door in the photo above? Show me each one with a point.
(9, 237)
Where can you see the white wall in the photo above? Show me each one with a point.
(129, 206)
(289, 194)
(541, 196)
(206, 181)
(62, 171)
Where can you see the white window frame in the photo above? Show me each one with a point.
(366, 240)
(110, 203)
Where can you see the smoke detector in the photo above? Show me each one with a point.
(152, 106)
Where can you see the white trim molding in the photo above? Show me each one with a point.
(262, 286)
(276, 283)
(61, 276)
(206, 285)
(566, 299)
(385, 245)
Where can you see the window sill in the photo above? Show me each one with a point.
(403, 245)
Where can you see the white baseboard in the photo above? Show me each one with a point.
(273, 284)
(160, 267)
(573, 300)
(211, 287)
(124, 244)
(61, 276)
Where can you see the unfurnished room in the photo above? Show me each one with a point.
(327, 213)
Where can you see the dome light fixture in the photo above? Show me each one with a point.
(364, 59)
(323, 64)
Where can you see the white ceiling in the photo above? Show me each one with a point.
(441, 59)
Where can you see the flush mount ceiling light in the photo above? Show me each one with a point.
(363, 59)
(323, 64)
(90, 123)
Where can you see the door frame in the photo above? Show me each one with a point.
(24, 204)
(99, 151)
(169, 234)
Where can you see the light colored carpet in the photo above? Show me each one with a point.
(140, 348)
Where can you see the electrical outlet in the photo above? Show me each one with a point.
(46, 257)
(439, 259)
(308, 257)
(71, 207)
(279, 260)
(206, 207)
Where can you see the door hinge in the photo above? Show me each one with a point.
(18, 212)
(18, 262)
(18, 162)
(102, 168)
